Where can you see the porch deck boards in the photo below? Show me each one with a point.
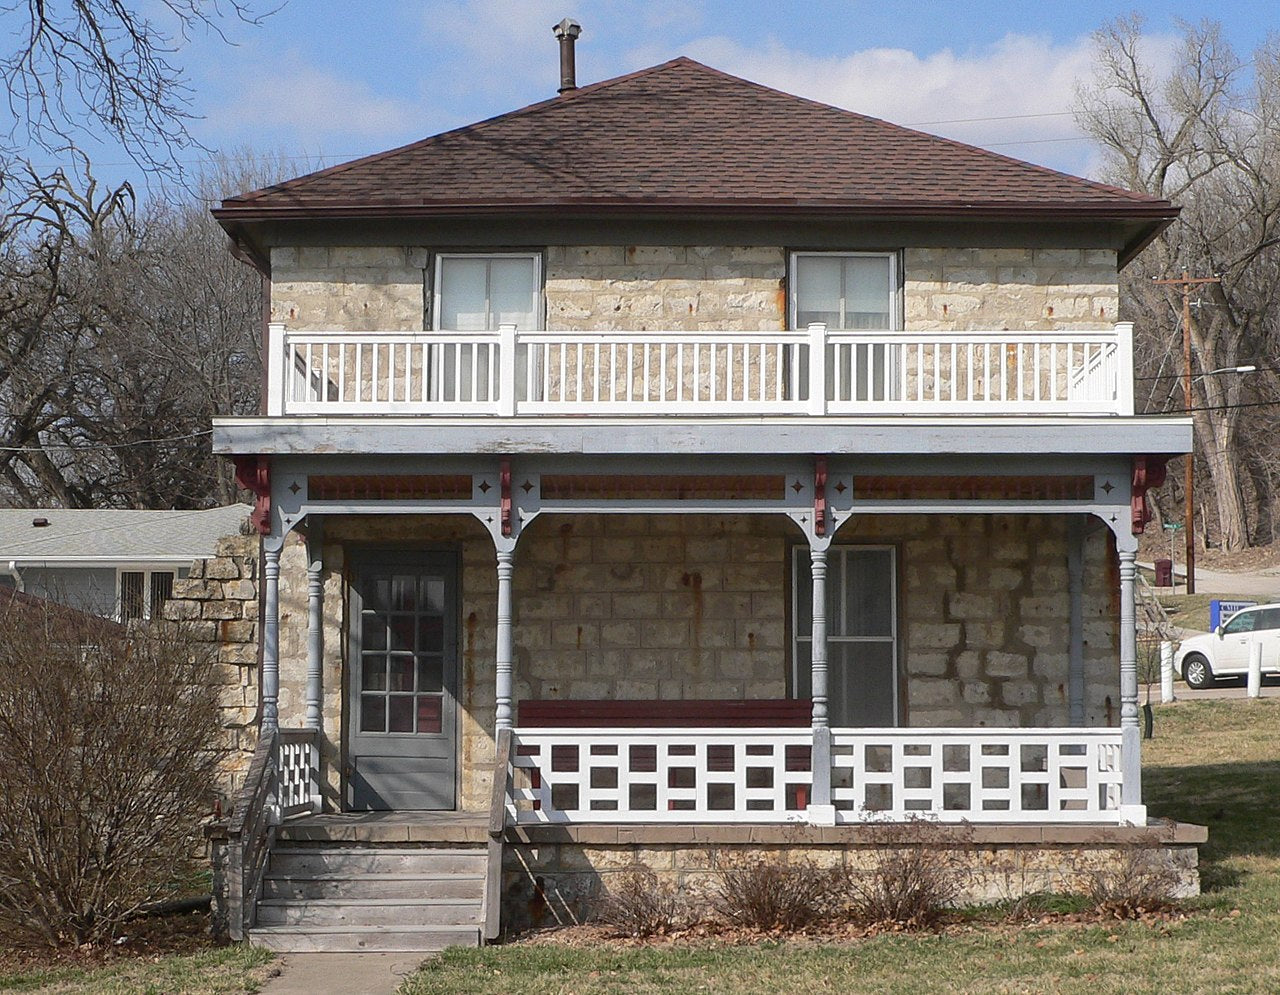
(388, 827)
(472, 828)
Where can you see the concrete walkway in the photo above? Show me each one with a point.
(348, 974)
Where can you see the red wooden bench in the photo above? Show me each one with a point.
(710, 713)
(704, 713)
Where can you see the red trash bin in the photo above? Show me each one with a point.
(1164, 573)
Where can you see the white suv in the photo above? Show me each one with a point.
(1225, 651)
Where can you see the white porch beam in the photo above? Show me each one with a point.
(505, 637)
(272, 546)
(1131, 807)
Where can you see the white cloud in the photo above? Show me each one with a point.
(313, 106)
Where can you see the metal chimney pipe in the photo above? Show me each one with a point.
(567, 32)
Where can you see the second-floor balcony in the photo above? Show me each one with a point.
(811, 372)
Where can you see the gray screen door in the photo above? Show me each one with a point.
(401, 709)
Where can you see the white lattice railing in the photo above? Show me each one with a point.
(811, 372)
(298, 772)
(676, 775)
(977, 775)
(764, 775)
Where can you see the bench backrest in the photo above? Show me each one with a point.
(710, 713)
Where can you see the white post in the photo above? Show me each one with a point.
(821, 811)
(1131, 808)
(315, 622)
(1166, 672)
(277, 364)
(505, 639)
(1124, 368)
(1255, 669)
(271, 547)
(817, 368)
(506, 369)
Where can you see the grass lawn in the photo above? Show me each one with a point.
(1191, 611)
(237, 970)
(1213, 762)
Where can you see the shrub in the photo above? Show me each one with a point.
(1137, 883)
(915, 874)
(768, 894)
(638, 904)
(107, 761)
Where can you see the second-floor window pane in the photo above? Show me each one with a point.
(844, 292)
(480, 293)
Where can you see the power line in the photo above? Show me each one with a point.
(61, 447)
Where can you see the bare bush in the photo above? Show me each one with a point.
(638, 904)
(916, 873)
(1137, 883)
(107, 761)
(768, 894)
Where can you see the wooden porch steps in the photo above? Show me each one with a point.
(347, 897)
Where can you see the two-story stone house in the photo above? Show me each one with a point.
(740, 469)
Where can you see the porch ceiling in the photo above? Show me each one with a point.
(1066, 435)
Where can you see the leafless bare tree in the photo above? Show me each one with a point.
(1205, 135)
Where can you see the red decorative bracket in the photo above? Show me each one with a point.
(253, 473)
(820, 496)
(1148, 472)
(504, 476)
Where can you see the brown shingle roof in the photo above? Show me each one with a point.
(683, 135)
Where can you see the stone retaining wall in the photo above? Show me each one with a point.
(218, 603)
(557, 875)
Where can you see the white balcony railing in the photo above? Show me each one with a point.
(811, 372)
(764, 775)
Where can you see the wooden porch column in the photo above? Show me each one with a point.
(271, 547)
(315, 622)
(505, 637)
(820, 806)
(1131, 807)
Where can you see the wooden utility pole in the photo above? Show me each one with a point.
(1186, 282)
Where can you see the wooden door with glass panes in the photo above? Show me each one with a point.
(402, 682)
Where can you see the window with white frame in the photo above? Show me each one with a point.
(845, 291)
(851, 292)
(862, 634)
(141, 594)
(477, 293)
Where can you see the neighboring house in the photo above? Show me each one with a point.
(744, 469)
(118, 564)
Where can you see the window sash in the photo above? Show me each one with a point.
(854, 594)
(477, 292)
(846, 291)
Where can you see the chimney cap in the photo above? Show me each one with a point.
(39, 523)
(567, 28)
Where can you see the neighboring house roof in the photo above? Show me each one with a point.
(12, 600)
(100, 536)
(684, 135)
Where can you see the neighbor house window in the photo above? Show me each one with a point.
(477, 293)
(142, 593)
(862, 634)
(845, 291)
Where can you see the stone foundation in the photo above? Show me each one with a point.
(555, 875)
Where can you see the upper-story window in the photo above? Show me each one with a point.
(845, 290)
(477, 293)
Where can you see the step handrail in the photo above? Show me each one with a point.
(250, 835)
(501, 791)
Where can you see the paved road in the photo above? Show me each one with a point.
(1259, 584)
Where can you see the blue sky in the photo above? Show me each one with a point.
(333, 80)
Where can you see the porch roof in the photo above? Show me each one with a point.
(782, 436)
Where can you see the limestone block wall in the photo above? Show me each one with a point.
(549, 881)
(950, 289)
(700, 287)
(649, 607)
(218, 603)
